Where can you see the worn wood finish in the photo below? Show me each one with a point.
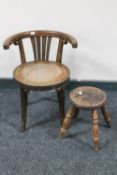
(67, 121)
(95, 129)
(44, 39)
(106, 115)
(22, 53)
(59, 51)
(34, 46)
(87, 97)
(41, 74)
(39, 48)
(14, 38)
(61, 100)
(48, 47)
(41, 41)
(24, 99)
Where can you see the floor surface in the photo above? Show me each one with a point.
(39, 151)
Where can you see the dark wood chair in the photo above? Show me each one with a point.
(41, 74)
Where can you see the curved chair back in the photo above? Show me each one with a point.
(41, 43)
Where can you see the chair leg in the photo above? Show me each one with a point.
(95, 127)
(67, 121)
(61, 100)
(106, 115)
(24, 98)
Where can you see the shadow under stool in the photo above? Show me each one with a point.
(87, 97)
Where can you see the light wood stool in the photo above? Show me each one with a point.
(87, 97)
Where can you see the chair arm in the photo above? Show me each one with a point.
(72, 40)
(8, 42)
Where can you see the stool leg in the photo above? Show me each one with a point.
(95, 129)
(66, 121)
(106, 115)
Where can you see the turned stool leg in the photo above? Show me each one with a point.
(106, 115)
(67, 121)
(95, 129)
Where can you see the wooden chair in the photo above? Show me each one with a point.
(41, 74)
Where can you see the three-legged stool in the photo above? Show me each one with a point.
(87, 97)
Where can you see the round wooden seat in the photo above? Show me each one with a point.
(41, 74)
(88, 97)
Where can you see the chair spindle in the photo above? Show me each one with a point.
(22, 53)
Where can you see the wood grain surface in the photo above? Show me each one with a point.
(88, 97)
(41, 73)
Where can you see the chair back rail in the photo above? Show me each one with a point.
(41, 43)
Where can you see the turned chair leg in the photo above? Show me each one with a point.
(95, 128)
(106, 115)
(61, 100)
(67, 121)
(24, 97)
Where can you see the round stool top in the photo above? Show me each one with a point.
(88, 97)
